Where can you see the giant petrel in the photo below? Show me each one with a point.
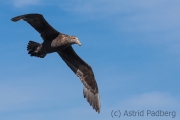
(55, 41)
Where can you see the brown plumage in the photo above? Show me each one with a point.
(55, 41)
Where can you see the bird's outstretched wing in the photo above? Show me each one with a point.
(85, 73)
(38, 22)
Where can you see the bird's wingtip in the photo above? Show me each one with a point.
(16, 18)
(93, 99)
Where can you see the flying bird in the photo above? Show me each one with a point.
(55, 41)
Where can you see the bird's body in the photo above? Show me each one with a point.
(58, 44)
(55, 41)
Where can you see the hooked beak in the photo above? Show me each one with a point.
(78, 42)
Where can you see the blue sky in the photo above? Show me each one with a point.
(132, 46)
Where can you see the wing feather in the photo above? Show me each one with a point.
(38, 22)
(85, 73)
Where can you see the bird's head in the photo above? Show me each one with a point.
(76, 40)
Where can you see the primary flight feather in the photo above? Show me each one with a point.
(55, 41)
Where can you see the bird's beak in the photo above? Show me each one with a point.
(78, 42)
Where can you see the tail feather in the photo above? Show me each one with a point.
(34, 49)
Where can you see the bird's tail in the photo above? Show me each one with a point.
(34, 49)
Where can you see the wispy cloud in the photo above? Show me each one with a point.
(21, 3)
(152, 100)
(129, 15)
(145, 17)
(15, 97)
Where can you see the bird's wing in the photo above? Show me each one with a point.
(38, 22)
(85, 73)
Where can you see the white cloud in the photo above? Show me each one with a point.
(153, 100)
(14, 97)
(21, 3)
(130, 15)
